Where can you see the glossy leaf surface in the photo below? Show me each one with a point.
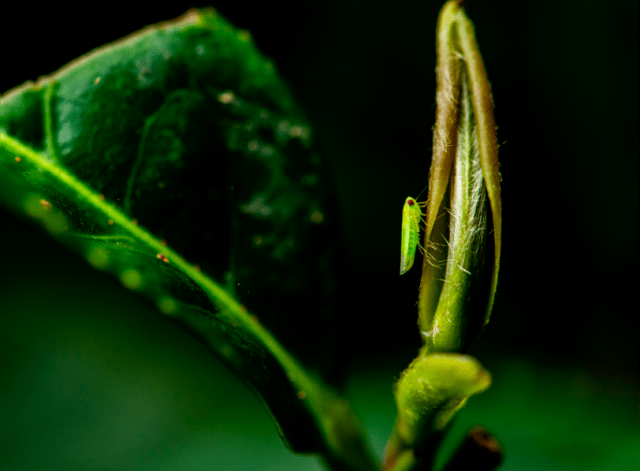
(176, 160)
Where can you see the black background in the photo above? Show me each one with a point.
(564, 78)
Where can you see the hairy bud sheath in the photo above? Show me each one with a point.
(462, 241)
(460, 271)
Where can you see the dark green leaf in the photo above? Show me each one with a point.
(178, 152)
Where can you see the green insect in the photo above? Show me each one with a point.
(411, 217)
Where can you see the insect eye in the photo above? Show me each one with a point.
(411, 202)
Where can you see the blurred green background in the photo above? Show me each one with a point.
(93, 378)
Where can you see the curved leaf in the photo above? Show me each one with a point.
(176, 152)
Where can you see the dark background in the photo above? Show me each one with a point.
(93, 378)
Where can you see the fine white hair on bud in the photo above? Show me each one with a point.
(462, 240)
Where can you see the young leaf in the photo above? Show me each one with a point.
(433, 388)
(460, 267)
(176, 160)
(464, 209)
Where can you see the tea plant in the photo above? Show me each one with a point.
(176, 160)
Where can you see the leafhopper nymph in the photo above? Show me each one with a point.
(411, 217)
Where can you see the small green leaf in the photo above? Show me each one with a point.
(428, 394)
(176, 160)
(433, 388)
